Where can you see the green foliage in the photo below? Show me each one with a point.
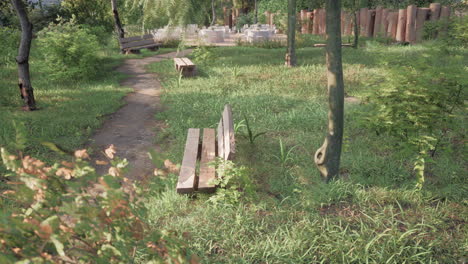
(9, 45)
(69, 50)
(250, 134)
(416, 102)
(265, 44)
(43, 16)
(451, 31)
(234, 184)
(285, 154)
(203, 54)
(89, 12)
(244, 19)
(159, 13)
(66, 212)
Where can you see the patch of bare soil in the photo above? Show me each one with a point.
(132, 129)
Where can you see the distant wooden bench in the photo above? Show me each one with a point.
(186, 66)
(221, 145)
(135, 44)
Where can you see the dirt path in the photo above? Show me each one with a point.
(132, 129)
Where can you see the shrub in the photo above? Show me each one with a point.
(10, 39)
(69, 50)
(66, 213)
(417, 102)
(452, 32)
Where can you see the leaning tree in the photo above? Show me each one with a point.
(117, 24)
(327, 157)
(24, 80)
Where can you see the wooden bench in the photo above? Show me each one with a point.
(204, 152)
(186, 66)
(133, 45)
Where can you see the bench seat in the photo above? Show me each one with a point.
(186, 66)
(219, 142)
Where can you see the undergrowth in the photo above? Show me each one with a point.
(374, 214)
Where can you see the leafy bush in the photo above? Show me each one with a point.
(9, 45)
(68, 213)
(244, 19)
(203, 54)
(69, 50)
(233, 181)
(452, 32)
(417, 102)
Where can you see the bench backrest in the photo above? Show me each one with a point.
(226, 141)
(136, 38)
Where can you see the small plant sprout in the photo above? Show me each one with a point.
(285, 155)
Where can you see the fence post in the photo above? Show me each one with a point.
(362, 21)
(435, 11)
(378, 22)
(401, 26)
(421, 18)
(410, 35)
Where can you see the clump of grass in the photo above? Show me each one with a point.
(374, 215)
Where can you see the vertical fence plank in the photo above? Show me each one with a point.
(378, 28)
(315, 22)
(401, 26)
(421, 18)
(362, 21)
(410, 32)
(435, 11)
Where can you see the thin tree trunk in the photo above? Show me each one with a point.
(256, 13)
(213, 10)
(327, 157)
(117, 24)
(290, 59)
(356, 31)
(24, 80)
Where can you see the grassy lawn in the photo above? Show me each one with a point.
(375, 215)
(69, 110)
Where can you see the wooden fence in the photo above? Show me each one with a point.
(403, 25)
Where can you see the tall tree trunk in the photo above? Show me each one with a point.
(117, 24)
(213, 10)
(356, 30)
(290, 59)
(327, 157)
(256, 13)
(24, 80)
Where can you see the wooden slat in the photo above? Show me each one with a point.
(153, 45)
(188, 62)
(228, 128)
(221, 139)
(136, 38)
(207, 172)
(135, 44)
(187, 180)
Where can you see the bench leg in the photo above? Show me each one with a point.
(130, 51)
(153, 49)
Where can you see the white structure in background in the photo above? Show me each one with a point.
(256, 33)
(43, 3)
(214, 34)
(168, 33)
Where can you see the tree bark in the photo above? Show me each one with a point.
(356, 30)
(256, 13)
(327, 157)
(24, 80)
(213, 10)
(117, 24)
(290, 59)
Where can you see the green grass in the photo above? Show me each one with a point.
(374, 216)
(69, 110)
